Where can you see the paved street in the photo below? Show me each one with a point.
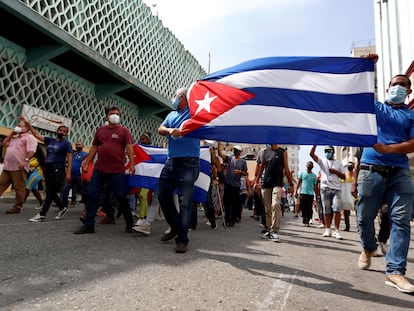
(46, 267)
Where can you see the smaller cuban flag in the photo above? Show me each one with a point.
(287, 100)
(150, 160)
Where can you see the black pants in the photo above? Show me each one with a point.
(306, 203)
(232, 204)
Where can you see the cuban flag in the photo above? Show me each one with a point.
(149, 161)
(287, 100)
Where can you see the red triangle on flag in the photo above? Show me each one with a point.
(208, 100)
(139, 156)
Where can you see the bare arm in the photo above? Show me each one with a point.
(165, 131)
(312, 154)
(89, 157)
(69, 168)
(130, 153)
(288, 173)
(32, 129)
(220, 150)
(401, 148)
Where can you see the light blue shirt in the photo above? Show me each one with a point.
(182, 146)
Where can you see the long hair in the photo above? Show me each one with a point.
(40, 156)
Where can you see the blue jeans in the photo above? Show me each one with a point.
(76, 185)
(398, 190)
(178, 176)
(117, 183)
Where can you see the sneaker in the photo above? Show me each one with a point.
(327, 233)
(274, 237)
(265, 235)
(337, 235)
(37, 218)
(321, 226)
(61, 213)
(364, 261)
(145, 229)
(168, 236)
(140, 222)
(399, 282)
(383, 248)
(84, 229)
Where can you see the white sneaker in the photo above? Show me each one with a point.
(61, 213)
(140, 221)
(321, 226)
(274, 237)
(337, 235)
(327, 233)
(37, 218)
(145, 229)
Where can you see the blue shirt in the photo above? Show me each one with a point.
(308, 183)
(56, 151)
(395, 125)
(77, 158)
(182, 146)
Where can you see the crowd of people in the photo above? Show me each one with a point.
(380, 180)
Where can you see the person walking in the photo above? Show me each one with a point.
(384, 172)
(236, 168)
(58, 154)
(75, 184)
(332, 172)
(272, 168)
(110, 142)
(179, 173)
(36, 167)
(306, 183)
(21, 146)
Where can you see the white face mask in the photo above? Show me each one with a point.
(18, 129)
(114, 119)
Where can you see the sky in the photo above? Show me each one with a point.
(234, 31)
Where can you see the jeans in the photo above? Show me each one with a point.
(178, 175)
(117, 183)
(398, 191)
(331, 200)
(54, 178)
(306, 205)
(76, 185)
(232, 204)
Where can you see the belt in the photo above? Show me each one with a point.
(378, 168)
(384, 171)
(183, 159)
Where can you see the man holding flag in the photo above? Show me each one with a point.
(180, 172)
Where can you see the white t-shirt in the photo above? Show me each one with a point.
(328, 180)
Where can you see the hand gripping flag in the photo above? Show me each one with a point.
(150, 160)
(287, 100)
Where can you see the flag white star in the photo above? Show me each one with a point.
(205, 103)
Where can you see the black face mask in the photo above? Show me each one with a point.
(78, 148)
(350, 168)
(60, 135)
(309, 168)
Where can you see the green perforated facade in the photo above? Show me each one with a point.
(121, 33)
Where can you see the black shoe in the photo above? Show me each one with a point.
(128, 230)
(346, 229)
(230, 224)
(168, 236)
(84, 229)
(180, 248)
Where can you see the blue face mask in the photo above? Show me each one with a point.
(175, 103)
(329, 155)
(397, 94)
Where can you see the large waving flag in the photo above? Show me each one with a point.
(287, 100)
(150, 160)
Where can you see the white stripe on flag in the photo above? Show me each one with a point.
(358, 123)
(351, 83)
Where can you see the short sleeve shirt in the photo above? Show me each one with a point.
(182, 146)
(328, 180)
(308, 183)
(17, 151)
(111, 143)
(56, 151)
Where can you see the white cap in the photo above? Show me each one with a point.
(238, 147)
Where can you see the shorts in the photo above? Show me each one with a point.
(331, 200)
(32, 181)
